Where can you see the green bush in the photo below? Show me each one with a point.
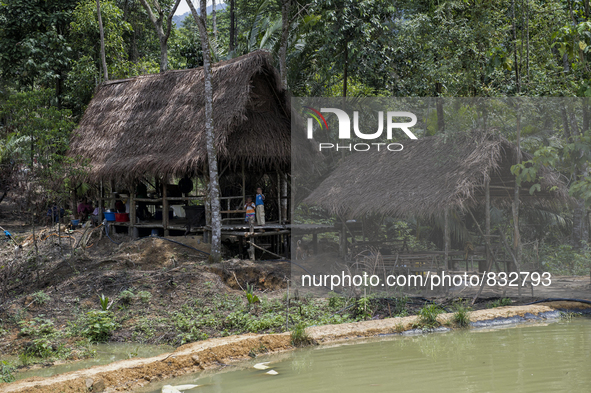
(6, 371)
(428, 316)
(461, 317)
(37, 327)
(144, 296)
(43, 336)
(299, 337)
(99, 325)
(41, 298)
(126, 297)
(500, 303)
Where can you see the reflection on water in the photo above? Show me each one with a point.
(105, 354)
(539, 358)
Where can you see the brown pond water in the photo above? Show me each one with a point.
(529, 358)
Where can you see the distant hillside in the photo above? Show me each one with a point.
(178, 19)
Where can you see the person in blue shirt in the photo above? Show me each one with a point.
(260, 207)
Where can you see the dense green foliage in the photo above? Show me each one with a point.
(50, 68)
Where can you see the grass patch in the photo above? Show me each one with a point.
(428, 317)
(299, 337)
(461, 317)
(500, 303)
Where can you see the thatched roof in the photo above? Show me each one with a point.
(428, 175)
(155, 124)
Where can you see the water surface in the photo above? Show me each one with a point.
(554, 357)
(105, 354)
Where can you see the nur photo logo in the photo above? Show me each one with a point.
(393, 122)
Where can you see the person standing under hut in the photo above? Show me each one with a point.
(250, 213)
(260, 207)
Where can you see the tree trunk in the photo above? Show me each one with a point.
(345, 76)
(158, 23)
(102, 34)
(214, 24)
(163, 54)
(285, 5)
(446, 239)
(580, 232)
(515, 205)
(439, 103)
(214, 186)
(232, 24)
(517, 82)
(487, 222)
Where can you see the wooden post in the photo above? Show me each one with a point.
(132, 214)
(243, 185)
(112, 200)
(486, 225)
(284, 214)
(100, 202)
(279, 196)
(251, 252)
(164, 207)
(343, 240)
(315, 243)
(448, 263)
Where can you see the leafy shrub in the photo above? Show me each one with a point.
(336, 301)
(461, 317)
(299, 337)
(41, 297)
(500, 303)
(104, 302)
(126, 297)
(44, 335)
(364, 307)
(99, 325)
(37, 327)
(251, 298)
(193, 335)
(428, 316)
(6, 371)
(144, 296)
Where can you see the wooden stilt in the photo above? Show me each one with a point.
(164, 207)
(343, 240)
(251, 253)
(446, 241)
(132, 214)
(279, 196)
(482, 265)
(100, 202)
(243, 186)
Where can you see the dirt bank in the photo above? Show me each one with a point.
(129, 374)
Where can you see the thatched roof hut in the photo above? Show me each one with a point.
(429, 175)
(155, 124)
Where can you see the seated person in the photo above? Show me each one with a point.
(94, 217)
(120, 206)
(84, 209)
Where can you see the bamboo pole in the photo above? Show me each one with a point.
(164, 208)
(132, 213)
(487, 220)
(279, 195)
